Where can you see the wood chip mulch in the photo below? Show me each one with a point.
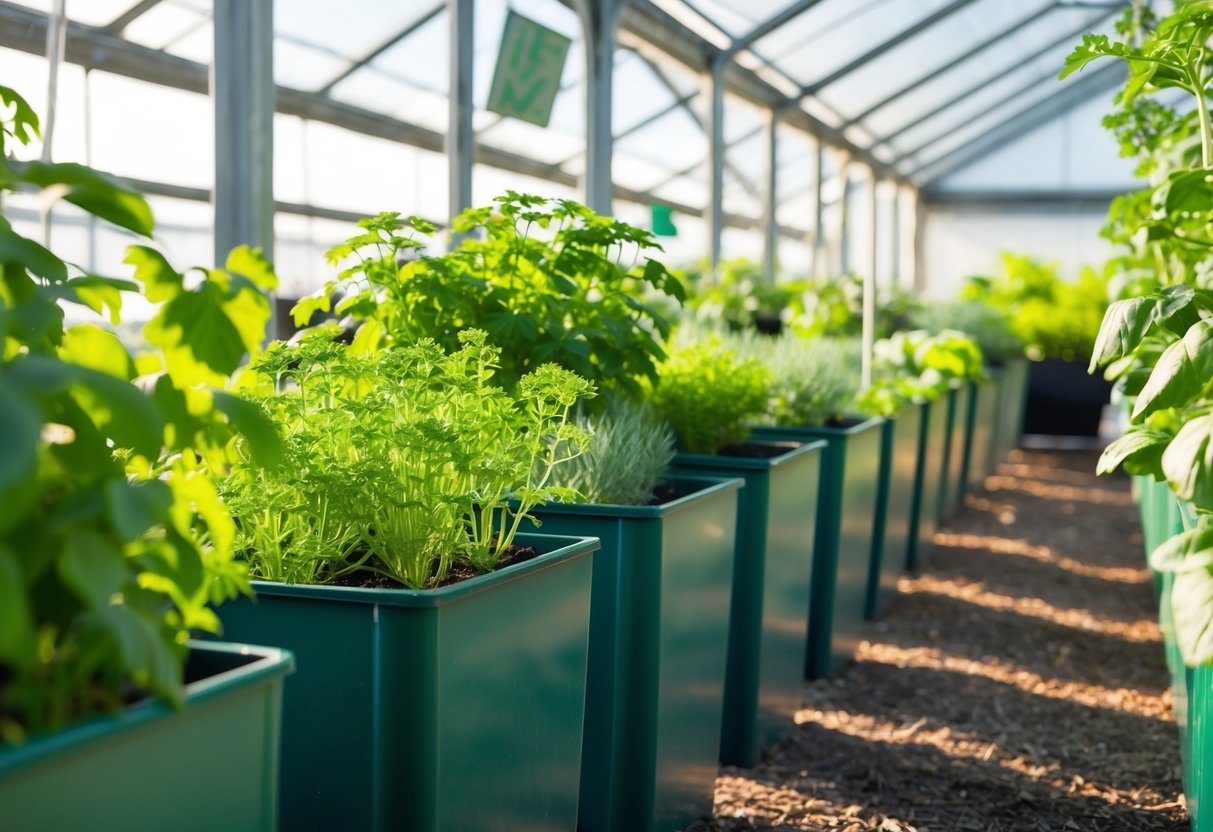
(1017, 684)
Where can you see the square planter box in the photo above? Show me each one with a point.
(772, 569)
(457, 708)
(847, 520)
(659, 631)
(1064, 399)
(896, 503)
(215, 766)
(952, 490)
(1013, 395)
(983, 427)
(928, 480)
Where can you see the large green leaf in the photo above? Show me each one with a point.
(100, 293)
(1123, 326)
(251, 264)
(98, 349)
(1187, 462)
(118, 408)
(144, 651)
(1183, 372)
(160, 281)
(134, 508)
(17, 641)
(25, 253)
(101, 195)
(1139, 446)
(262, 437)
(1192, 608)
(92, 568)
(200, 341)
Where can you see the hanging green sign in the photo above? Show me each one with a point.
(529, 67)
(663, 221)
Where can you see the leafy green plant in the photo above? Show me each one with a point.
(399, 462)
(741, 296)
(709, 394)
(1156, 341)
(988, 326)
(113, 541)
(917, 365)
(550, 281)
(813, 380)
(628, 453)
(834, 308)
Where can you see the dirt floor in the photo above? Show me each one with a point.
(1017, 684)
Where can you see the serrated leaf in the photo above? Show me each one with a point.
(250, 263)
(160, 281)
(1187, 462)
(1182, 373)
(92, 568)
(1123, 326)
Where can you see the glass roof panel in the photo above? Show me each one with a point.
(344, 28)
(88, 12)
(168, 22)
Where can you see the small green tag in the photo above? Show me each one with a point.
(529, 67)
(663, 221)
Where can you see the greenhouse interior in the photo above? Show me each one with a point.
(723, 415)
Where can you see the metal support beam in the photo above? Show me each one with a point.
(242, 92)
(1061, 201)
(600, 26)
(969, 92)
(118, 25)
(716, 152)
(869, 284)
(892, 42)
(460, 139)
(770, 218)
(844, 211)
(1025, 120)
(979, 49)
(819, 210)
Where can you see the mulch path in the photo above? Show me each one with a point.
(1017, 684)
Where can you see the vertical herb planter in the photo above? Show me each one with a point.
(928, 479)
(149, 769)
(846, 523)
(458, 708)
(983, 425)
(772, 569)
(659, 631)
(952, 488)
(895, 502)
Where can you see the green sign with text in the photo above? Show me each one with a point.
(529, 67)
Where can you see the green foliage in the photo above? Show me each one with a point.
(628, 453)
(1052, 317)
(741, 296)
(1155, 341)
(916, 366)
(399, 462)
(988, 326)
(113, 540)
(549, 281)
(709, 394)
(833, 308)
(813, 381)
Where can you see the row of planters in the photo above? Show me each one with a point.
(541, 558)
(1156, 344)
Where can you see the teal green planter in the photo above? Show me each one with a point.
(1013, 396)
(768, 618)
(895, 502)
(659, 632)
(928, 480)
(1196, 724)
(983, 428)
(952, 488)
(846, 523)
(215, 766)
(457, 708)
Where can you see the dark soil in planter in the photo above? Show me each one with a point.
(759, 450)
(1018, 685)
(458, 572)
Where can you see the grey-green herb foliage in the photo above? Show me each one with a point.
(399, 462)
(989, 327)
(813, 380)
(708, 393)
(628, 453)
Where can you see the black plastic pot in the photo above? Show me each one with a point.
(1063, 400)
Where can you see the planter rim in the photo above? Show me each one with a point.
(559, 549)
(270, 662)
(704, 488)
(747, 463)
(868, 423)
